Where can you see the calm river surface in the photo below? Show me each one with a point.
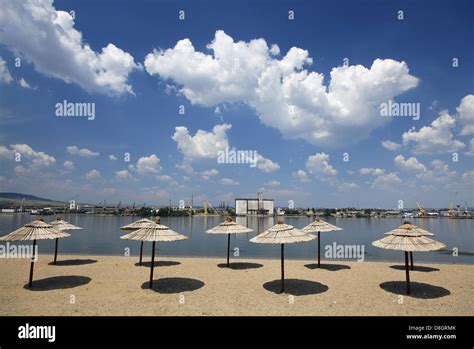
(101, 236)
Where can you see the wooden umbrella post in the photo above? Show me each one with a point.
(411, 260)
(152, 264)
(407, 272)
(228, 249)
(55, 251)
(141, 253)
(30, 283)
(319, 249)
(282, 268)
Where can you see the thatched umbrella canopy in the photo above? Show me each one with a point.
(410, 228)
(63, 226)
(35, 230)
(408, 240)
(228, 227)
(141, 223)
(282, 234)
(153, 233)
(319, 226)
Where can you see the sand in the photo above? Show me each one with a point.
(107, 285)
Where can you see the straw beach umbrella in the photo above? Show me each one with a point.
(407, 225)
(141, 223)
(408, 240)
(153, 233)
(59, 224)
(229, 227)
(282, 234)
(319, 226)
(36, 230)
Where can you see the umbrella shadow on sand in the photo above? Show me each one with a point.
(240, 265)
(329, 267)
(418, 289)
(58, 283)
(174, 285)
(296, 287)
(415, 268)
(159, 264)
(72, 262)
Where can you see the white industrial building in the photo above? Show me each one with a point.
(254, 206)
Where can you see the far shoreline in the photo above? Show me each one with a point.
(225, 215)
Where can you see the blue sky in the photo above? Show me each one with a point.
(294, 103)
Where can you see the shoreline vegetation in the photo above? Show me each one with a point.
(109, 285)
(16, 203)
(232, 214)
(175, 212)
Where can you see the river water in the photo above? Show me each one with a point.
(101, 236)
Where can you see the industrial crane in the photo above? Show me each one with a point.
(207, 207)
(451, 211)
(422, 211)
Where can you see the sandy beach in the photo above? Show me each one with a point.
(108, 285)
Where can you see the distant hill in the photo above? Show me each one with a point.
(9, 200)
(20, 196)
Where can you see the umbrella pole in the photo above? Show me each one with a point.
(282, 268)
(152, 264)
(411, 261)
(228, 249)
(30, 283)
(407, 272)
(319, 250)
(55, 251)
(141, 253)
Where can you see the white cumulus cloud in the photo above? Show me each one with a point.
(208, 144)
(284, 94)
(48, 39)
(23, 83)
(210, 172)
(439, 173)
(164, 178)
(318, 165)
(390, 145)
(436, 138)
(302, 176)
(371, 171)
(347, 187)
(410, 164)
(122, 174)
(68, 165)
(204, 144)
(228, 181)
(386, 181)
(266, 165)
(466, 115)
(93, 175)
(38, 158)
(470, 152)
(84, 152)
(5, 75)
(5, 152)
(148, 164)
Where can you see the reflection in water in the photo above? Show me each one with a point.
(452, 226)
(101, 236)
